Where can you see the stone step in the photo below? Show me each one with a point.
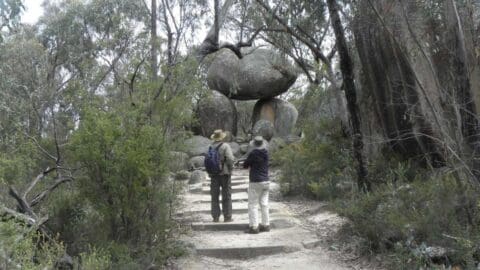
(235, 205)
(239, 177)
(245, 252)
(238, 217)
(239, 199)
(238, 226)
(235, 178)
(244, 245)
(234, 183)
(235, 211)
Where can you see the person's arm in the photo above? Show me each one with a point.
(247, 161)
(229, 158)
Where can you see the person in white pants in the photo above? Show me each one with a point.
(259, 186)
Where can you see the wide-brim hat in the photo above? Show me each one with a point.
(218, 135)
(258, 143)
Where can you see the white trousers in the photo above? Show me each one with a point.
(258, 194)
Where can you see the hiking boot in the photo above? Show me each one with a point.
(215, 219)
(252, 230)
(229, 219)
(263, 228)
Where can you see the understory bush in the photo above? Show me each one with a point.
(319, 166)
(416, 217)
(21, 247)
(420, 218)
(120, 207)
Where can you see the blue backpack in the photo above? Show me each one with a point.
(213, 164)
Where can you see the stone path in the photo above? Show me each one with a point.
(225, 245)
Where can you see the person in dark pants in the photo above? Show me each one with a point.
(223, 179)
(259, 186)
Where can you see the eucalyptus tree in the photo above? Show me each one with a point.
(83, 66)
(301, 30)
(10, 11)
(346, 66)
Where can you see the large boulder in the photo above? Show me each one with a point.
(235, 148)
(261, 73)
(215, 111)
(244, 147)
(197, 176)
(263, 128)
(182, 175)
(197, 146)
(196, 162)
(281, 113)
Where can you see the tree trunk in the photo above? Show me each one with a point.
(153, 41)
(346, 66)
(169, 34)
(462, 89)
(210, 43)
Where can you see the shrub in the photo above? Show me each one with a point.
(22, 248)
(410, 211)
(409, 217)
(123, 195)
(318, 166)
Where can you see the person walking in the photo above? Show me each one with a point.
(219, 165)
(259, 186)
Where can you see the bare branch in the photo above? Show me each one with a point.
(41, 148)
(36, 180)
(237, 48)
(302, 63)
(332, 53)
(55, 137)
(210, 43)
(7, 212)
(41, 196)
(252, 38)
(311, 45)
(131, 83)
(23, 206)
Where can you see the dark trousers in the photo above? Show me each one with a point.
(223, 182)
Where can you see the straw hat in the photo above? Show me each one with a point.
(218, 135)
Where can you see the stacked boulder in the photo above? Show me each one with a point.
(215, 112)
(260, 75)
(282, 114)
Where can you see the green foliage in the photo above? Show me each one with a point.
(319, 165)
(22, 248)
(410, 212)
(10, 11)
(410, 216)
(123, 201)
(96, 260)
(122, 159)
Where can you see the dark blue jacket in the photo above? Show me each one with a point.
(257, 161)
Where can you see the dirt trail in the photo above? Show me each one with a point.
(301, 235)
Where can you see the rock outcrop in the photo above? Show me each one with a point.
(282, 114)
(196, 162)
(197, 146)
(260, 74)
(197, 176)
(263, 128)
(215, 112)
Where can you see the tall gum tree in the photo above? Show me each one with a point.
(346, 66)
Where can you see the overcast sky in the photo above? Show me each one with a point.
(33, 10)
